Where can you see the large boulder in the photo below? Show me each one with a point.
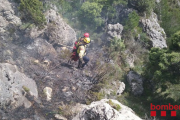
(7, 18)
(114, 30)
(102, 110)
(13, 86)
(154, 31)
(136, 83)
(58, 31)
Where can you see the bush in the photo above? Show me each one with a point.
(164, 66)
(142, 5)
(169, 15)
(89, 14)
(31, 10)
(132, 22)
(175, 42)
(117, 45)
(114, 105)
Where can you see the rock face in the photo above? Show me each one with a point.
(114, 30)
(121, 88)
(136, 83)
(101, 110)
(123, 11)
(154, 31)
(13, 86)
(59, 31)
(7, 18)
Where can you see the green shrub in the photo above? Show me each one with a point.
(132, 21)
(175, 42)
(142, 5)
(145, 40)
(114, 105)
(169, 16)
(31, 10)
(117, 45)
(163, 66)
(89, 14)
(25, 88)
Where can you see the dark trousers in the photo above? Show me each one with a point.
(85, 59)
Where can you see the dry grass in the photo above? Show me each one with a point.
(66, 110)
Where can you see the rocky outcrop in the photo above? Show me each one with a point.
(154, 31)
(114, 30)
(58, 31)
(13, 87)
(158, 1)
(122, 11)
(102, 110)
(8, 19)
(121, 88)
(136, 83)
(130, 58)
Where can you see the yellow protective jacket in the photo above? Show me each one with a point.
(81, 50)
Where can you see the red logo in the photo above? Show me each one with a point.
(163, 108)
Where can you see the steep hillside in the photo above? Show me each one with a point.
(134, 59)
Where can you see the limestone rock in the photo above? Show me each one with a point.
(158, 1)
(48, 92)
(101, 110)
(59, 117)
(13, 84)
(130, 60)
(114, 30)
(136, 83)
(8, 19)
(121, 88)
(154, 31)
(59, 32)
(7, 12)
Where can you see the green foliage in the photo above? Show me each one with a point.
(142, 5)
(168, 12)
(65, 6)
(145, 40)
(25, 88)
(132, 21)
(109, 8)
(114, 105)
(108, 3)
(163, 69)
(89, 14)
(31, 10)
(117, 45)
(164, 66)
(175, 42)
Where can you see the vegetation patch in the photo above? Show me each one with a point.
(25, 88)
(31, 10)
(114, 105)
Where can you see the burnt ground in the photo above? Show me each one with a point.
(49, 67)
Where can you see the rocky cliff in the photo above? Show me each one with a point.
(154, 31)
(35, 78)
